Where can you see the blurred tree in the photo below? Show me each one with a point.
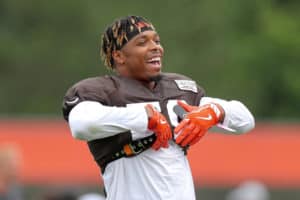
(247, 50)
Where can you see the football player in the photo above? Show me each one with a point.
(140, 122)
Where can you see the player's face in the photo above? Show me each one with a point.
(143, 56)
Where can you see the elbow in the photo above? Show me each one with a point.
(244, 117)
(247, 125)
(85, 126)
(79, 135)
(246, 128)
(251, 124)
(80, 124)
(78, 128)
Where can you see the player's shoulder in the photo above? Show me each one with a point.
(92, 88)
(94, 82)
(174, 76)
(89, 89)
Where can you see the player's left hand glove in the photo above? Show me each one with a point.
(197, 121)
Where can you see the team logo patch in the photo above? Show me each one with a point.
(187, 85)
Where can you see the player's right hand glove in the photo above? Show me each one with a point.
(159, 125)
(197, 121)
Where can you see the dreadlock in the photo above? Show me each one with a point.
(119, 33)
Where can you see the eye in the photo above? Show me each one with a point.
(141, 42)
(157, 41)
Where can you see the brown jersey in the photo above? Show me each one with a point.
(120, 91)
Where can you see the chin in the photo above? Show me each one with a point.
(155, 77)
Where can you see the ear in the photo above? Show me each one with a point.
(118, 57)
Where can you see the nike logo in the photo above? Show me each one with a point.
(74, 101)
(209, 117)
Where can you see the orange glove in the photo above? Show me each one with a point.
(197, 121)
(159, 125)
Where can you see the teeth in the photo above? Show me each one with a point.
(154, 59)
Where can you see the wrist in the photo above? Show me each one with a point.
(150, 113)
(220, 113)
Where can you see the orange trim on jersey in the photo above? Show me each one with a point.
(128, 150)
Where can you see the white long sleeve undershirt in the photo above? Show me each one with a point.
(238, 118)
(91, 120)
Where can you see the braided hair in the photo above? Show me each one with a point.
(119, 33)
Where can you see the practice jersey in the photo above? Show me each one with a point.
(151, 175)
(162, 174)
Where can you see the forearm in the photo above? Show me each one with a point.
(237, 118)
(91, 120)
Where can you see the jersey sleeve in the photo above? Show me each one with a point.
(86, 90)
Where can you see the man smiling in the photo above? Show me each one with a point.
(131, 121)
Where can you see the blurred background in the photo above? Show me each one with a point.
(247, 50)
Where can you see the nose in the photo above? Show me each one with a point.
(154, 46)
